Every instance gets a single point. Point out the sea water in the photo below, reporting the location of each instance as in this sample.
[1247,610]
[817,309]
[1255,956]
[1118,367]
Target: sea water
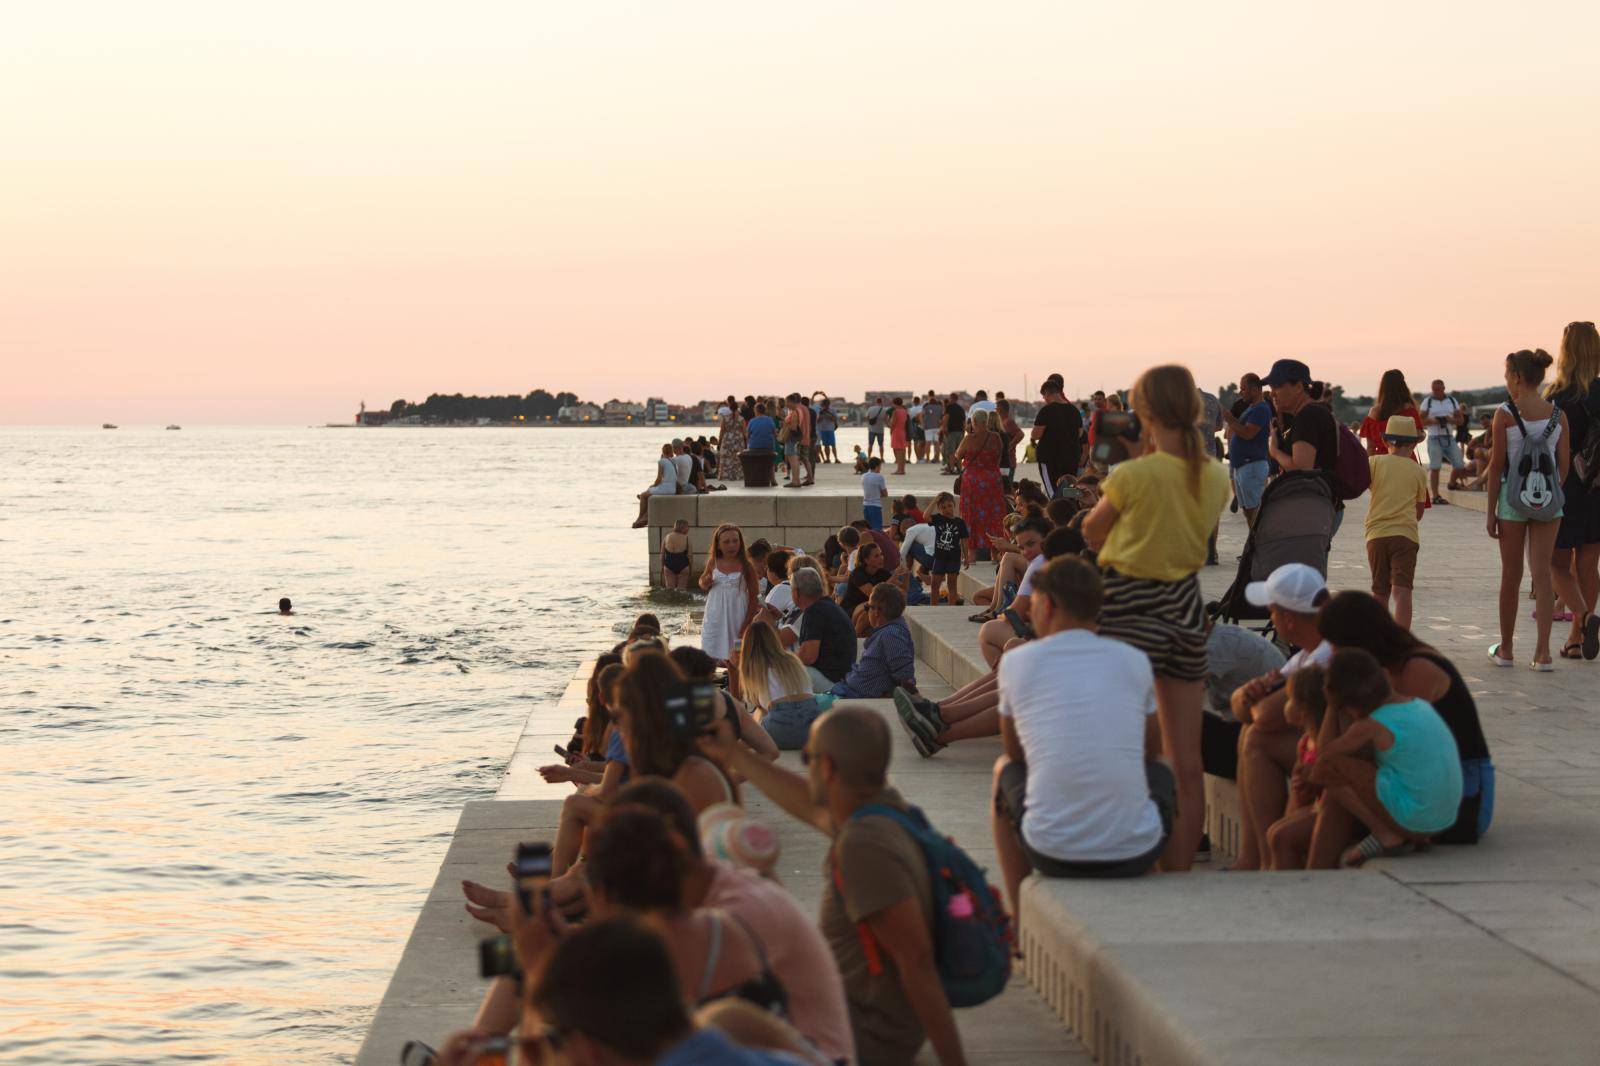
[217,824]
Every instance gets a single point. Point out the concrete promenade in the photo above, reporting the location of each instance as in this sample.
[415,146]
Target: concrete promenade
[1478,954]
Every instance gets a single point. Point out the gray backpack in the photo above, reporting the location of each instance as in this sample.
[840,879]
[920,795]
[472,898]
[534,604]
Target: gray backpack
[1533,478]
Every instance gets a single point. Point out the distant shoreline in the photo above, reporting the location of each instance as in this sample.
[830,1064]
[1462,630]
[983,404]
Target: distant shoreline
[525,425]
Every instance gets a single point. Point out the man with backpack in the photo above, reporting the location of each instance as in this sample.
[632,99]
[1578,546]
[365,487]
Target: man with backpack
[1079,791]
[1305,434]
[1441,414]
[880,914]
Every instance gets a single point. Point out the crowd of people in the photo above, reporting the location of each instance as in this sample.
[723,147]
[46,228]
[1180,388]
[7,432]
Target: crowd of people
[661,933]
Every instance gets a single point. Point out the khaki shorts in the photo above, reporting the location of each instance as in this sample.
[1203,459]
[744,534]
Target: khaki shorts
[1394,564]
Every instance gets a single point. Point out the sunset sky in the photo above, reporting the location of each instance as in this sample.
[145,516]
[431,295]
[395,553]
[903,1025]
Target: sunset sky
[223,212]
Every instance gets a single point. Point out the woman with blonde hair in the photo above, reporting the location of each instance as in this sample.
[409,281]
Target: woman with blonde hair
[776,682]
[1394,398]
[1575,564]
[1151,529]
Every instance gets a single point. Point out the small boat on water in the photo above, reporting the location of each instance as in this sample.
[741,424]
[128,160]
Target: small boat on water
[107,425]
[174,427]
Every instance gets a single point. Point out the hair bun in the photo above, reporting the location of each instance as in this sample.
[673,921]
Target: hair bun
[1542,357]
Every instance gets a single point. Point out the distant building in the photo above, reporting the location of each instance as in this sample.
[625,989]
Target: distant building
[579,413]
[365,417]
[657,410]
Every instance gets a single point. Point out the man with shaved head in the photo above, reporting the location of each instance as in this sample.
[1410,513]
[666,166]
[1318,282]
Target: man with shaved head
[877,914]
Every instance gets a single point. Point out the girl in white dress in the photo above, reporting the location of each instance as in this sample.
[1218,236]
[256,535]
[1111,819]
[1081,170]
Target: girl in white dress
[729,583]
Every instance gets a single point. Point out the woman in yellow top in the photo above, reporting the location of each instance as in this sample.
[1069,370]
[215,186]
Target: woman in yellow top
[1155,515]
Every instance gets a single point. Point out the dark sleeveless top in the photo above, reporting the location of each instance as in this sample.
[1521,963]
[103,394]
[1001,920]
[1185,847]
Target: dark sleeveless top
[1457,708]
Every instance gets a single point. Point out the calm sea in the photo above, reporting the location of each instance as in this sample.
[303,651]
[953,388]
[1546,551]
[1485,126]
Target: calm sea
[216,824]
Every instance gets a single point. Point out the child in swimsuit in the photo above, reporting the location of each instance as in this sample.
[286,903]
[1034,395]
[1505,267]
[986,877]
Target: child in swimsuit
[676,556]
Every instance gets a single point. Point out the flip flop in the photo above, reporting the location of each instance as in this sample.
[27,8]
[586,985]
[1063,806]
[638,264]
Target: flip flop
[1591,636]
[1372,848]
[1574,650]
[1494,657]
[981,616]
[1542,668]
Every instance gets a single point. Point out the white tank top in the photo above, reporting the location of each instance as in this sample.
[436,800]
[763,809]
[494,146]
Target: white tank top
[1535,430]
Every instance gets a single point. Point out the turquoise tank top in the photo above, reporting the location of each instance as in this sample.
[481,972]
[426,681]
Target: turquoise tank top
[1419,778]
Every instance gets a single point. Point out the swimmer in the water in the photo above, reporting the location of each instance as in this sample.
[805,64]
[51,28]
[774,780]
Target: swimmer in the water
[285,607]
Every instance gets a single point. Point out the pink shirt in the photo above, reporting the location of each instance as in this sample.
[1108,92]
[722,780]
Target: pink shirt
[799,956]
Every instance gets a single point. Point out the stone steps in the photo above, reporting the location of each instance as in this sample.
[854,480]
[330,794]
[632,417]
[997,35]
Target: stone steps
[1463,955]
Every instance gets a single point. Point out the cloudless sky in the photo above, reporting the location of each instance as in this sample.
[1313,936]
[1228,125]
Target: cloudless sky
[225,212]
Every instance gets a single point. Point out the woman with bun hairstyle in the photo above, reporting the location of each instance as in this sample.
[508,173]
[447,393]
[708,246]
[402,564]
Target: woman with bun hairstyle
[1519,535]
[1575,388]
[1151,529]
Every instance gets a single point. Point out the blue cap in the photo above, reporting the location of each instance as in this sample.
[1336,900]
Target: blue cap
[1287,370]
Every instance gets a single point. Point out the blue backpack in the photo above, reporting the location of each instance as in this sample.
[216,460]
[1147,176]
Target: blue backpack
[972,935]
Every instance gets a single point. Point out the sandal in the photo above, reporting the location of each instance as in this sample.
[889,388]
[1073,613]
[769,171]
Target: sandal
[1591,636]
[1573,650]
[981,616]
[1372,848]
[1494,657]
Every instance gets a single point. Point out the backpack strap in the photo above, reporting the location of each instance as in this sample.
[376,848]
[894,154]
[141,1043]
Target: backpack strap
[869,941]
[1522,427]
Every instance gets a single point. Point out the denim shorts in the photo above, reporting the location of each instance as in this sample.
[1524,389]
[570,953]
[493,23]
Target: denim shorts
[791,448]
[1249,482]
[874,517]
[829,440]
[788,722]
[874,435]
[1442,449]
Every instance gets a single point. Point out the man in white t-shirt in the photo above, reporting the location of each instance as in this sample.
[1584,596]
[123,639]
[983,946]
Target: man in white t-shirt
[1079,791]
[683,462]
[1294,593]
[1442,413]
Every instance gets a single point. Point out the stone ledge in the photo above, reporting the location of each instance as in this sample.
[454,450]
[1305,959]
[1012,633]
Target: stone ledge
[1340,967]
[1472,501]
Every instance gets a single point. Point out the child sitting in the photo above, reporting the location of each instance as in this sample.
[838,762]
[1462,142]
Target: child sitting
[861,460]
[1410,788]
[1289,838]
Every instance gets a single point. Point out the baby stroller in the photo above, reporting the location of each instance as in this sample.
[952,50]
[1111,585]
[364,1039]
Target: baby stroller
[1294,525]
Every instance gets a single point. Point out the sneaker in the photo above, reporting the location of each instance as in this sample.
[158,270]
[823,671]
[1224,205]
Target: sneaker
[922,728]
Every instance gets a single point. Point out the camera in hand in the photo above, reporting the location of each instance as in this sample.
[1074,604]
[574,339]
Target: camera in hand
[691,708]
[1115,434]
[496,957]
[533,867]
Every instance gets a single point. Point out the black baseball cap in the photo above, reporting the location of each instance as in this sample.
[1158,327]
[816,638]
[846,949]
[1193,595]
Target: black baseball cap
[1287,370]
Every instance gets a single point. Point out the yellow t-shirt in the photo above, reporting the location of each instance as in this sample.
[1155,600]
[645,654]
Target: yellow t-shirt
[1162,528]
[1398,485]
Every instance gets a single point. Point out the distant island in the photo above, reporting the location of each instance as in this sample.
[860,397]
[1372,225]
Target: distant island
[541,407]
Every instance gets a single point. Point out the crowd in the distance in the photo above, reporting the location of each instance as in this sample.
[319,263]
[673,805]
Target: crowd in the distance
[656,931]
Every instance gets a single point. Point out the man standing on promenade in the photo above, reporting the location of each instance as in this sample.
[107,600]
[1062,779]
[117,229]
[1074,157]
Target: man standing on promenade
[955,427]
[1442,413]
[1248,437]
[877,914]
[1057,434]
[875,416]
[932,421]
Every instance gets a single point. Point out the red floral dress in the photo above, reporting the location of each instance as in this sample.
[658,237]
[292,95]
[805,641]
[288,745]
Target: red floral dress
[983,505]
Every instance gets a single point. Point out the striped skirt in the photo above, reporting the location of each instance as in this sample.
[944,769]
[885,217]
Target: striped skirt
[1163,619]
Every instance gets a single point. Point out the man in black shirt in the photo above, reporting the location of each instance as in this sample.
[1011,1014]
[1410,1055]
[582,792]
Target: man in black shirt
[826,642]
[1305,437]
[955,427]
[1057,434]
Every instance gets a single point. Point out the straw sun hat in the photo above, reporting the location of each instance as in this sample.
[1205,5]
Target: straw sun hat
[1401,429]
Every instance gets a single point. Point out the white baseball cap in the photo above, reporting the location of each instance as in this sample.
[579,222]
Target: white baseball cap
[1294,587]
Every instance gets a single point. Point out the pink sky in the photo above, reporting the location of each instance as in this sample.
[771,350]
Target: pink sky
[226,213]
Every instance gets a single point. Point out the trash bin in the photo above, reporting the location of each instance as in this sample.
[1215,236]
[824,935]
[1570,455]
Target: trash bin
[757,465]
